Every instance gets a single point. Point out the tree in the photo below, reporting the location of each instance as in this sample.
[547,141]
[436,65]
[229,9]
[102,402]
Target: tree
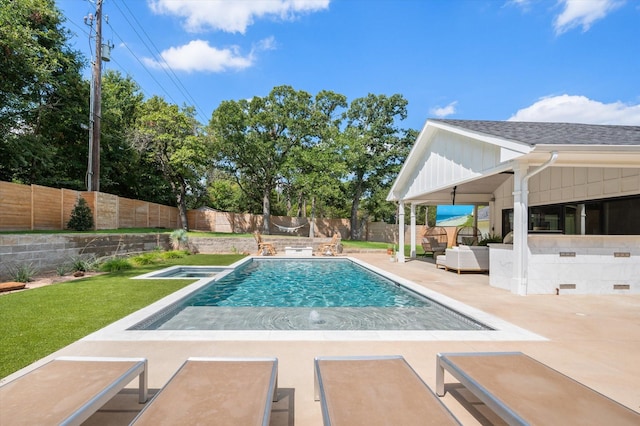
[81,216]
[170,138]
[374,147]
[315,170]
[39,85]
[225,194]
[254,139]
[120,170]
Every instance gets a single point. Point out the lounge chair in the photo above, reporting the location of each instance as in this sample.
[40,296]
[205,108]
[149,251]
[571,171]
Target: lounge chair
[523,391]
[68,390]
[330,248]
[262,246]
[215,391]
[376,390]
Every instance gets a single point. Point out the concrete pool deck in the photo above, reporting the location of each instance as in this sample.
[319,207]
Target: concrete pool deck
[593,339]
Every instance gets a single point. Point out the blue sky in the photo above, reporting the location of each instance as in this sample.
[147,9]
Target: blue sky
[528,60]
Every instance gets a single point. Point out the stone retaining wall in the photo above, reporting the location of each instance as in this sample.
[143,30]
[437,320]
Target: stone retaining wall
[45,252]
[248,244]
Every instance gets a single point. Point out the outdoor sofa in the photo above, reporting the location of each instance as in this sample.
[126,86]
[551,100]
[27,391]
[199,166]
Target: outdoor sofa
[465,258]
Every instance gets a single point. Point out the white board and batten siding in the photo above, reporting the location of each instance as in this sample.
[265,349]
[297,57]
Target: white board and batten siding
[452,158]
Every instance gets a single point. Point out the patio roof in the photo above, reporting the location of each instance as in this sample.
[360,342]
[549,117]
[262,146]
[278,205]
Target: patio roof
[475,157]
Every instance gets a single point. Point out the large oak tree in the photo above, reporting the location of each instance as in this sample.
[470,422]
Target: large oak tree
[255,139]
[374,148]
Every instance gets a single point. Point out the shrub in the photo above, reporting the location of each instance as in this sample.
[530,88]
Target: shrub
[174,254]
[83,264]
[179,239]
[491,238]
[22,273]
[148,258]
[63,269]
[114,265]
[81,216]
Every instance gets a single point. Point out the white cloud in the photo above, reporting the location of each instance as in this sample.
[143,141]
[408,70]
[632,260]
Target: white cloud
[583,13]
[233,15]
[579,109]
[268,43]
[198,55]
[524,4]
[444,111]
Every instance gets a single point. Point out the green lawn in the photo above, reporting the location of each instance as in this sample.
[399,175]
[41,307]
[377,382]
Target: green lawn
[40,321]
[381,246]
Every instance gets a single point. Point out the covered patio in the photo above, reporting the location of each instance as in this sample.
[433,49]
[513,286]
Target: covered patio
[569,193]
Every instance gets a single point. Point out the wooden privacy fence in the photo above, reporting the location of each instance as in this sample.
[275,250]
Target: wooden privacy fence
[211,220]
[35,207]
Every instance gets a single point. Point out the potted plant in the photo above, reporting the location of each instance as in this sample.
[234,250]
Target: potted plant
[488,239]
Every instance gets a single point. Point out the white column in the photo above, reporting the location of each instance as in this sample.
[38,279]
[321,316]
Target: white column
[475,222]
[582,217]
[400,253]
[413,231]
[520,229]
[521,222]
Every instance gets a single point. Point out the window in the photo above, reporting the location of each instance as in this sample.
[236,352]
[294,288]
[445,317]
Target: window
[619,216]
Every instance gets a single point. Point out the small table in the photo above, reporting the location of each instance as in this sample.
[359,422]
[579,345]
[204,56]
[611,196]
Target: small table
[298,251]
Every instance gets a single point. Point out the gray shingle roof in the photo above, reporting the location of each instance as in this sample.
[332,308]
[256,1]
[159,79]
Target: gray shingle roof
[534,133]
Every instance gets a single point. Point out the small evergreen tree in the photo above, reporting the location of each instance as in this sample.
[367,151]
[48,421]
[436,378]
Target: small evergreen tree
[81,216]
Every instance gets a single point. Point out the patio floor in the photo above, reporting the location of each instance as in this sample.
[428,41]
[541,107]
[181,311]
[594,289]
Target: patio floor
[593,339]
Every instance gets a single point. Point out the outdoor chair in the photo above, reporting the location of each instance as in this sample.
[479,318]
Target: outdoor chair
[216,391]
[262,246]
[435,241]
[468,236]
[68,390]
[330,248]
[524,391]
[375,390]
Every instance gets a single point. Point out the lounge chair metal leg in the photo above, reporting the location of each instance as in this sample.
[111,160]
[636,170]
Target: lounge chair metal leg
[316,384]
[142,384]
[439,377]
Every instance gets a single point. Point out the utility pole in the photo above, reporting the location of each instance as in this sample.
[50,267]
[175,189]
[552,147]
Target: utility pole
[95,107]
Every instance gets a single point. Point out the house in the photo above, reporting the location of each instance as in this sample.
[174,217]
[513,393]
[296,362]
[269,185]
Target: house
[569,192]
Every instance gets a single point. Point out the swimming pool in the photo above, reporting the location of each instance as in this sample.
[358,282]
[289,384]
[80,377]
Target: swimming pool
[305,294]
[186,272]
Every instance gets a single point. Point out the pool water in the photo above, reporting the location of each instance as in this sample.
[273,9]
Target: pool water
[304,283]
[190,272]
[306,294]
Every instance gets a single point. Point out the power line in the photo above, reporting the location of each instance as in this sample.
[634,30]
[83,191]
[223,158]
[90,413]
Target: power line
[150,47]
[177,79]
[143,66]
[158,57]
